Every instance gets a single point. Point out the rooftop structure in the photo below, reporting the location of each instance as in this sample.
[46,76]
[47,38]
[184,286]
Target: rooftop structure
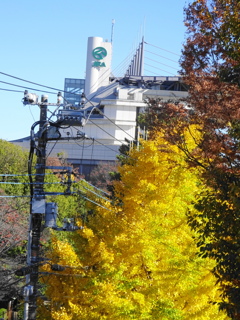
[112,106]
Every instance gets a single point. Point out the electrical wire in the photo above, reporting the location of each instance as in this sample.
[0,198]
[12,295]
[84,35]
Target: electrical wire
[11,90]
[106,132]
[107,146]
[109,120]
[26,175]
[54,145]
[84,146]
[15,196]
[95,187]
[37,84]
[15,85]
[95,203]
[114,123]
[105,199]
[28,183]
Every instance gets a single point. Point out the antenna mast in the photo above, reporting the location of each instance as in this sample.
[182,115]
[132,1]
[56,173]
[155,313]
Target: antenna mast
[113,22]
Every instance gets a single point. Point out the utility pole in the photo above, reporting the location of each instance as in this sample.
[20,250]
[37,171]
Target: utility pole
[40,210]
[37,209]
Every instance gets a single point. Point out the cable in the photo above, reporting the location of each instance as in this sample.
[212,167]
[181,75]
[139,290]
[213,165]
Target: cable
[98,195]
[161,56]
[106,146]
[160,69]
[26,175]
[163,49]
[95,203]
[11,90]
[95,187]
[114,123]
[37,84]
[162,63]
[109,120]
[91,164]
[157,74]
[106,132]
[54,145]
[84,146]
[15,196]
[28,183]
[15,85]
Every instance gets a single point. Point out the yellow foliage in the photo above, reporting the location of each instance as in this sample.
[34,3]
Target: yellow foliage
[138,260]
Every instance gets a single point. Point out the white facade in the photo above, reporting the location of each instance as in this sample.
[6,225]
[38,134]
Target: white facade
[109,132]
[98,65]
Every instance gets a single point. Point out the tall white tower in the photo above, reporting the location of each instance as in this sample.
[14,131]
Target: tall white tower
[98,66]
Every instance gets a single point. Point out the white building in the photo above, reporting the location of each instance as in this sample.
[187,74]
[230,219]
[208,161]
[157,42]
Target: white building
[119,100]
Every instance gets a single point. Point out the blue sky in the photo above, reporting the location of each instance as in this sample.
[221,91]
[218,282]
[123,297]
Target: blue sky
[46,41]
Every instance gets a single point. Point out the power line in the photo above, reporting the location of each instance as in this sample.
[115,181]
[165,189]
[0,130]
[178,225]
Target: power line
[109,120]
[11,90]
[15,196]
[114,123]
[15,85]
[37,84]
[98,195]
[95,203]
[106,146]
[95,187]
[106,131]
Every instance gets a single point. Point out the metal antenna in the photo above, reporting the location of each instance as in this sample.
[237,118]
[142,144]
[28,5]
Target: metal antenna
[113,22]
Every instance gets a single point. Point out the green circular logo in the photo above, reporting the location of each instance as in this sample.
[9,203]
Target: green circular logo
[99,53]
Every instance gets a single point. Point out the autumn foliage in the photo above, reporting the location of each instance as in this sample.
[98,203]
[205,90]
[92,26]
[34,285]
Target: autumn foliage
[136,257]
[210,67]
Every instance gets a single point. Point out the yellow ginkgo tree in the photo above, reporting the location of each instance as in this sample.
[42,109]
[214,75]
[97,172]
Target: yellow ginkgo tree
[136,257]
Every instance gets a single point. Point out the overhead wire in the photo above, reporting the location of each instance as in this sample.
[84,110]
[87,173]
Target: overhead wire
[95,187]
[106,146]
[108,119]
[11,90]
[35,83]
[114,123]
[5,196]
[105,199]
[16,85]
[96,203]
[106,131]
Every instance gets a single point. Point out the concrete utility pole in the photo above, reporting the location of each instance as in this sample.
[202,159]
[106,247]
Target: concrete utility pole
[37,209]
[40,210]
